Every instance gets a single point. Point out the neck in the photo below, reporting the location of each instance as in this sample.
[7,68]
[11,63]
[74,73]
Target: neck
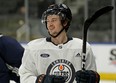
[60,39]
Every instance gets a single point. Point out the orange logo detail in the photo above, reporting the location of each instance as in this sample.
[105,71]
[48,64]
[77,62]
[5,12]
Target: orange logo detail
[61,67]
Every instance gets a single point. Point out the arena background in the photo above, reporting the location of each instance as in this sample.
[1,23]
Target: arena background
[21,19]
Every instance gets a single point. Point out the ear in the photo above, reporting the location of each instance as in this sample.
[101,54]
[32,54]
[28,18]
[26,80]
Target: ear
[65,23]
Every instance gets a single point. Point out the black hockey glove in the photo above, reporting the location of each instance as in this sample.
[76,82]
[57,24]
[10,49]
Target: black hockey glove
[50,79]
[87,76]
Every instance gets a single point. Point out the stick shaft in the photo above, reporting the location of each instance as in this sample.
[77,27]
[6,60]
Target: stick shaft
[87,23]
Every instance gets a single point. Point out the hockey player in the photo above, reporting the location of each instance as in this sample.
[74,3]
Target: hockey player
[11,53]
[56,59]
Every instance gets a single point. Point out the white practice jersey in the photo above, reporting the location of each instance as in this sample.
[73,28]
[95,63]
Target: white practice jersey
[41,56]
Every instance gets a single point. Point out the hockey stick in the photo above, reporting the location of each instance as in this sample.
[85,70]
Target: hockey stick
[87,23]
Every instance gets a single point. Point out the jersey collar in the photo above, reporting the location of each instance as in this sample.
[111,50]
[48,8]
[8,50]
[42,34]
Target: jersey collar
[48,39]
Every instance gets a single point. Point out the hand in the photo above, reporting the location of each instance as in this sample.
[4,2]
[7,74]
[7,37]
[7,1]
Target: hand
[87,76]
[58,79]
[50,79]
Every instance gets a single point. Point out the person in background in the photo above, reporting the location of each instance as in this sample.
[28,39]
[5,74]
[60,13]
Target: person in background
[11,53]
[19,8]
[57,59]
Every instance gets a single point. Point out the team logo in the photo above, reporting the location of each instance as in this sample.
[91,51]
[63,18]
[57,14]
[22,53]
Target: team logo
[78,55]
[45,55]
[62,67]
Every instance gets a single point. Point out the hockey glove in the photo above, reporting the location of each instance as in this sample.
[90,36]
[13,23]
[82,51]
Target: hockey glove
[87,76]
[50,79]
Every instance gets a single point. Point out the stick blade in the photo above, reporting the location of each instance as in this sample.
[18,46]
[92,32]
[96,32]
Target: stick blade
[98,13]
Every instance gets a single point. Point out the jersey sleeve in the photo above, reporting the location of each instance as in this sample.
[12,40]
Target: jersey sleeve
[11,51]
[27,71]
[90,59]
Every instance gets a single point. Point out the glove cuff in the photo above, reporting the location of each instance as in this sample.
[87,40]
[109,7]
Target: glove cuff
[40,78]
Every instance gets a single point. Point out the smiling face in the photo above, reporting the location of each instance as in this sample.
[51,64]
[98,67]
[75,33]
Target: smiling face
[54,24]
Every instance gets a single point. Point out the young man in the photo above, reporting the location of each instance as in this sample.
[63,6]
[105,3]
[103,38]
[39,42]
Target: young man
[57,58]
[11,53]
